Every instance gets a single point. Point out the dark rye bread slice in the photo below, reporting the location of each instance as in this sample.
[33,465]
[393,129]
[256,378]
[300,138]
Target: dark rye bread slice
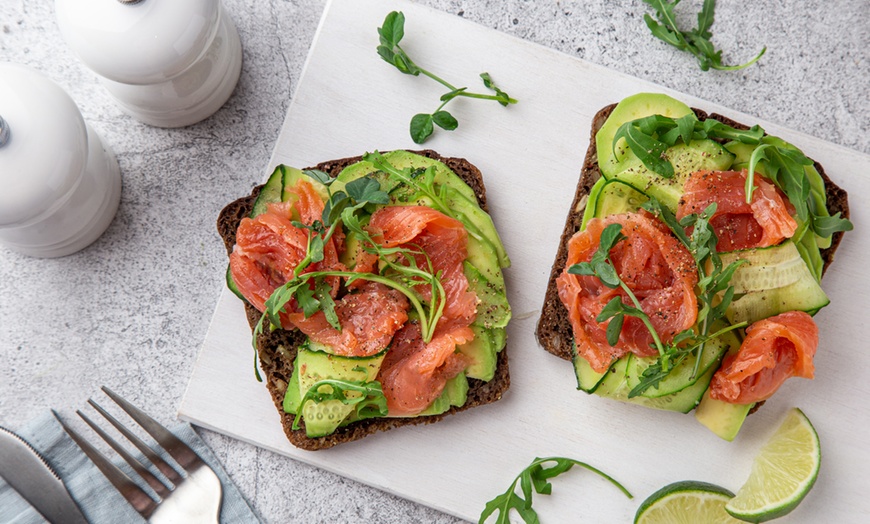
[554,329]
[277,350]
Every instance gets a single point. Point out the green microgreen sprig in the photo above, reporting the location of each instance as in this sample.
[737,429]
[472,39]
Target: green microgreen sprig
[696,41]
[535,478]
[423,124]
[649,137]
[369,402]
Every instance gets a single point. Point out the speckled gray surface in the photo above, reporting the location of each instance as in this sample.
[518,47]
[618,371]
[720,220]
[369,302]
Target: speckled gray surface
[131,310]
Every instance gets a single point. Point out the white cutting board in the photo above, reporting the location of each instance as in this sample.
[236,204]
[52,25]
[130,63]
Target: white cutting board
[348,102]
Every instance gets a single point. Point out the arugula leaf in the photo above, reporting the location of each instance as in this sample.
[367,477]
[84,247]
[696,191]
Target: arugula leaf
[697,41]
[421,126]
[535,478]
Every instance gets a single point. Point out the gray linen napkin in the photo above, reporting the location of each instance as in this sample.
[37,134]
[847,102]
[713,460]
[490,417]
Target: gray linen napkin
[97,498]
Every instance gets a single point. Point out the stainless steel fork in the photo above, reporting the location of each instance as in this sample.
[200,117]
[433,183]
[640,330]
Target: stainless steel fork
[193,496]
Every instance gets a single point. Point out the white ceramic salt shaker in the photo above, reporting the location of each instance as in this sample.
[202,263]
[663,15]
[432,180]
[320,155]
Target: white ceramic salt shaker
[59,182]
[168,63]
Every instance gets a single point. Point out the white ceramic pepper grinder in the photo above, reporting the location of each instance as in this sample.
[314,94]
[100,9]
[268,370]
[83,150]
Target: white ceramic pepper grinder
[168,63]
[59,182]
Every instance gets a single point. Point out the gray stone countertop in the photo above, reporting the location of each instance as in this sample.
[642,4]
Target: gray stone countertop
[131,310]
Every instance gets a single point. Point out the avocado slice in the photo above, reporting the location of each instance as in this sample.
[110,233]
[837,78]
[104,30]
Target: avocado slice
[722,418]
[631,108]
[696,156]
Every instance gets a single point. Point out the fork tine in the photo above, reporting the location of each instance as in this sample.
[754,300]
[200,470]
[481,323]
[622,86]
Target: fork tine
[146,450]
[136,496]
[161,489]
[176,448]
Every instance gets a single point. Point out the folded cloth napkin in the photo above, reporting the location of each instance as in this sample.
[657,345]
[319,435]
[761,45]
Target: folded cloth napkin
[97,498]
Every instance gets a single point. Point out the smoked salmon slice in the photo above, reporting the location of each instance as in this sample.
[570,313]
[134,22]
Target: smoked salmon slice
[658,269]
[444,241]
[414,372]
[269,247]
[775,349]
[369,317]
[766,221]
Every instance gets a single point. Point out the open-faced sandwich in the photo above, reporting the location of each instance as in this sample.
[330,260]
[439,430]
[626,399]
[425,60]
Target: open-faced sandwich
[375,292]
[691,260]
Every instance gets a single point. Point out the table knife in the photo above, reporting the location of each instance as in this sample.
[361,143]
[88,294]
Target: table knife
[23,468]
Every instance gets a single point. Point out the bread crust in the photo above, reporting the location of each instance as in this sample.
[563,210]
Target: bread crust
[277,349]
[554,330]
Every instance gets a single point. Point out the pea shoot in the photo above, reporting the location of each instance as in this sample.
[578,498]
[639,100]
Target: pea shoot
[423,124]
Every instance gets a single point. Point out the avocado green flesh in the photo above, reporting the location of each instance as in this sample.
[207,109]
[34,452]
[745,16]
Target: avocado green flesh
[455,394]
[686,159]
[610,197]
[481,353]
[722,418]
[631,108]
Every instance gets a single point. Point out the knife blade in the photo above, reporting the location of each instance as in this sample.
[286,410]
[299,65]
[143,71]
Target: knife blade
[25,469]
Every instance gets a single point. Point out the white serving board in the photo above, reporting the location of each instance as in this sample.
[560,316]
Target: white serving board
[348,102]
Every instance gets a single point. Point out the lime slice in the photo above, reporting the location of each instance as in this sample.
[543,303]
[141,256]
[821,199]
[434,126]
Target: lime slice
[686,502]
[783,472]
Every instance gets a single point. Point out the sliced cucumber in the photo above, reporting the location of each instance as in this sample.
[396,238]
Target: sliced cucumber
[766,268]
[311,367]
[803,295]
[772,281]
[681,377]
[587,378]
[615,386]
[686,159]
[271,191]
[231,284]
[631,108]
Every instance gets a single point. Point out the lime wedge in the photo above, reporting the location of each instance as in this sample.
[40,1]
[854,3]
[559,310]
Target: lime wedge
[783,472]
[686,502]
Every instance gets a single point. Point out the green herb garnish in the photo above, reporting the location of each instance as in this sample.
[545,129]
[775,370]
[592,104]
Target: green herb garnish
[697,41]
[423,124]
[649,137]
[535,479]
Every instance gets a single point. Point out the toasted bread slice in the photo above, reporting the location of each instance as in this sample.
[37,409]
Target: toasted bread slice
[277,349]
[554,329]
